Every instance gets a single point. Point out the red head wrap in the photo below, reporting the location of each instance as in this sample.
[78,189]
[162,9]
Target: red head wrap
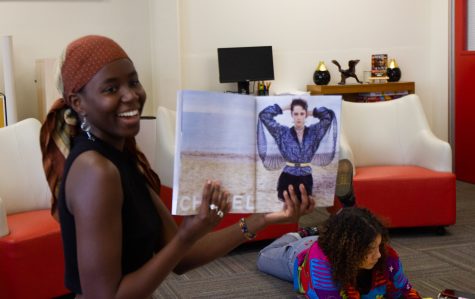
[84,57]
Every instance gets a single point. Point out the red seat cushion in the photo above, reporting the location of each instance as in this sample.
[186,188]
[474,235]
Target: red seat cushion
[407,196]
[31,257]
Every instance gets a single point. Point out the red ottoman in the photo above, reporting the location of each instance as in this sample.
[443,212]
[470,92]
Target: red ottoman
[407,196]
[31,257]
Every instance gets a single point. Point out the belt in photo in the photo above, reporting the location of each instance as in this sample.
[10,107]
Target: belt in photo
[297,164]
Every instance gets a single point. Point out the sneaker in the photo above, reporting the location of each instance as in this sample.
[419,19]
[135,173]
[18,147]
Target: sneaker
[296,235]
[344,183]
[308,231]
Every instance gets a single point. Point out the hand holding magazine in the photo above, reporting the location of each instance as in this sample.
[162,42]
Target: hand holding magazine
[257,146]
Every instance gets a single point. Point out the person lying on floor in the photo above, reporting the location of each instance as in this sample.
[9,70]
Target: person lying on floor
[349,258]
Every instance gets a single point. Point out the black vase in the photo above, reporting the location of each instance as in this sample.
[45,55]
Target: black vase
[321,77]
[394,74]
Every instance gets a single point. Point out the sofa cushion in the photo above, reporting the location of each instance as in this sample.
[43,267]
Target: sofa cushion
[31,257]
[23,184]
[399,194]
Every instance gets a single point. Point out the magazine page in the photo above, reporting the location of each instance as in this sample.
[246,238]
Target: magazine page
[215,140]
[296,146]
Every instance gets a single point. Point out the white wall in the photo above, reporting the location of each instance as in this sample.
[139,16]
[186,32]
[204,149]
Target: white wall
[306,31]
[166,49]
[42,29]
[173,42]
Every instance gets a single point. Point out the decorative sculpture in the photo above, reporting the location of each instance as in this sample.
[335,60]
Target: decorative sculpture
[350,72]
[321,76]
[393,71]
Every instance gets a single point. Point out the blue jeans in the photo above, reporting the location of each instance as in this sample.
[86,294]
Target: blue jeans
[277,259]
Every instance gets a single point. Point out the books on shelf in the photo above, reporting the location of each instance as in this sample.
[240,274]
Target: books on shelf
[379,64]
[371,97]
[247,142]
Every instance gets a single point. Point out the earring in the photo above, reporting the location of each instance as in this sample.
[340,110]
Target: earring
[86,127]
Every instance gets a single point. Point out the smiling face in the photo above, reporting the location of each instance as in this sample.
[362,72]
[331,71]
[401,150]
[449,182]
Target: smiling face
[373,254]
[112,102]
[299,114]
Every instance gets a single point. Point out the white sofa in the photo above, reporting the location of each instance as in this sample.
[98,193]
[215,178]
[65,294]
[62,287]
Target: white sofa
[23,185]
[31,252]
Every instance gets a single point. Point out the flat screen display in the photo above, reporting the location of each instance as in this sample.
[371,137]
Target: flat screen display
[245,64]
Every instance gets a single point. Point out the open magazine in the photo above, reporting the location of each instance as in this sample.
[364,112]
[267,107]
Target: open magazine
[254,146]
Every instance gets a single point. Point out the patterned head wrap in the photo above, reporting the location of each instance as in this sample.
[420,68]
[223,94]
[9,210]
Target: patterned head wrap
[81,60]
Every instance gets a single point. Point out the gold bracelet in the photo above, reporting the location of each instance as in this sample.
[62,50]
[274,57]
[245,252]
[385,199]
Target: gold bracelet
[243,225]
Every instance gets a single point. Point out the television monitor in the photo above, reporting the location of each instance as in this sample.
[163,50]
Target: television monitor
[245,64]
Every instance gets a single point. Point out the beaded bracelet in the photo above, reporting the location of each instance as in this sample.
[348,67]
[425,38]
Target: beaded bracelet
[243,225]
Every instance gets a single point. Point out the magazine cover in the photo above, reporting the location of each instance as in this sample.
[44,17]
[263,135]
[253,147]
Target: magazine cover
[379,64]
[254,146]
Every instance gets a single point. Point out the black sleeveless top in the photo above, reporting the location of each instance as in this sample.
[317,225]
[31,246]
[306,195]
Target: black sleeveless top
[141,224]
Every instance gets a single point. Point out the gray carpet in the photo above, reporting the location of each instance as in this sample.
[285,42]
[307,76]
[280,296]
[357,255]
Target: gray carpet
[432,262]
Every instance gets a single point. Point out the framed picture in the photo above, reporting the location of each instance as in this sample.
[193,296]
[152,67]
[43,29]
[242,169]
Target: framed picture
[379,64]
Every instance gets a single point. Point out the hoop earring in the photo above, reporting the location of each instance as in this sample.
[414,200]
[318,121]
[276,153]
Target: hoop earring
[86,127]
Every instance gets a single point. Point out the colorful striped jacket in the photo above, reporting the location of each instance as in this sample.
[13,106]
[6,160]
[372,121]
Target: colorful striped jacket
[313,277]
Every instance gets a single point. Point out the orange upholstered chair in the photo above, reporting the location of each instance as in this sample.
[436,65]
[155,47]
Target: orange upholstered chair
[403,172]
[31,254]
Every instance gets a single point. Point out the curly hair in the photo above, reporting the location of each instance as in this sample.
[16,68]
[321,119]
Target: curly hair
[345,238]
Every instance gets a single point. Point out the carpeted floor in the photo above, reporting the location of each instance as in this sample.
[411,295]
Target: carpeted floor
[432,262]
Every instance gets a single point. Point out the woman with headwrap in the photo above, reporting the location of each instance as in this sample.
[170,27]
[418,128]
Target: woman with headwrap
[119,239]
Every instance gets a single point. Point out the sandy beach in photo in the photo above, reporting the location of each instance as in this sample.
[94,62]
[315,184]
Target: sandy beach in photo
[236,172]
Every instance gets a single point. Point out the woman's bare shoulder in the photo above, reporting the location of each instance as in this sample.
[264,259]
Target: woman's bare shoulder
[94,164]
[93,180]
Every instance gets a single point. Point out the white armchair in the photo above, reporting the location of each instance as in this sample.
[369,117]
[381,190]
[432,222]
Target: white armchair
[392,133]
[23,185]
[403,172]
[165,153]
[31,253]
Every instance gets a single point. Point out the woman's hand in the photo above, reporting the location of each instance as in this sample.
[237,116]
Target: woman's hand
[293,207]
[214,205]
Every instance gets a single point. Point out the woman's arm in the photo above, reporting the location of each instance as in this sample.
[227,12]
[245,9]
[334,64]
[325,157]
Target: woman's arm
[267,115]
[323,114]
[169,227]
[219,243]
[95,199]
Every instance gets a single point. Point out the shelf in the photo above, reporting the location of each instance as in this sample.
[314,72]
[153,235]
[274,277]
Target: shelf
[362,88]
